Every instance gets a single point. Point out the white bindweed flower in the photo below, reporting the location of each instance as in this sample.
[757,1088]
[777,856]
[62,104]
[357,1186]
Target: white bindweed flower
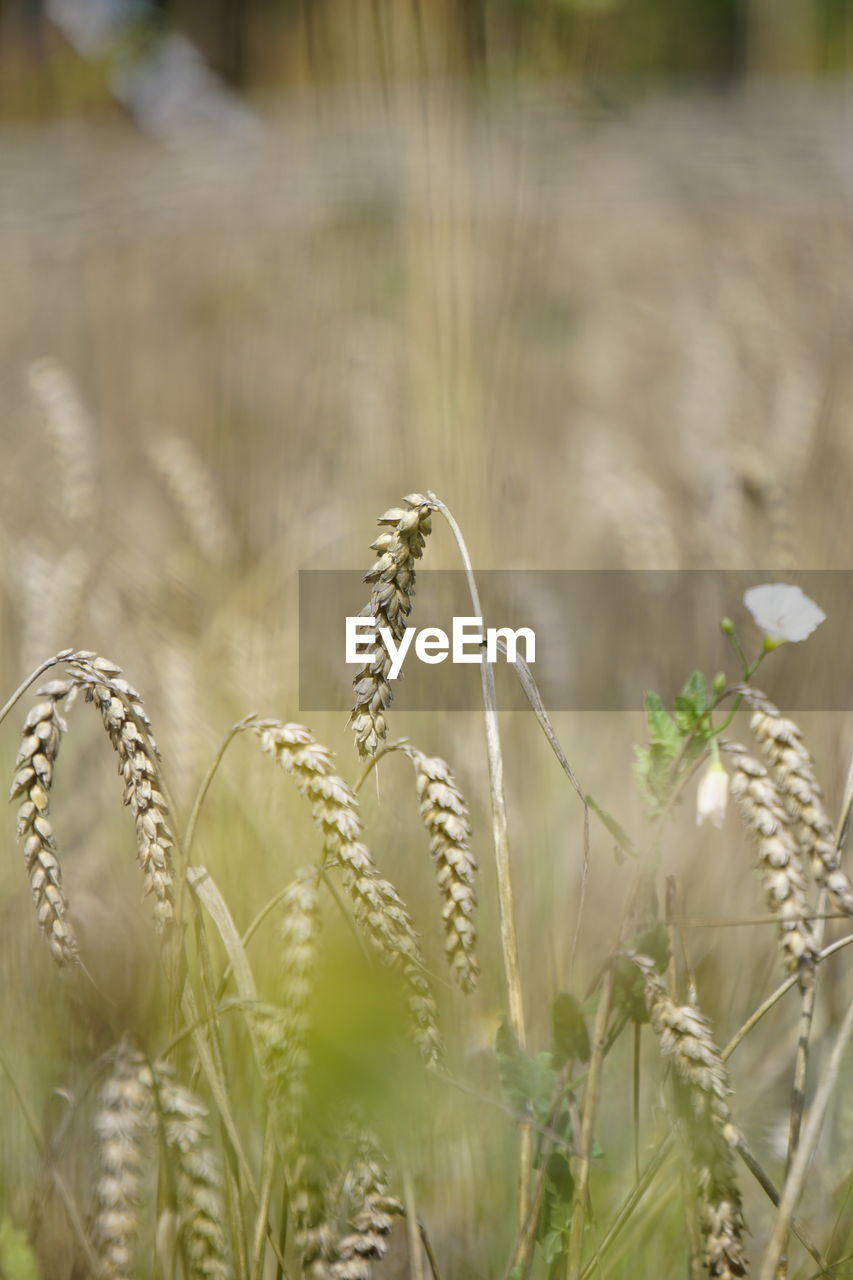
[783,612]
[713,795]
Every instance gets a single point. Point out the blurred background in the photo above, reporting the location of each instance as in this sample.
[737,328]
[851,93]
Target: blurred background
[583,268]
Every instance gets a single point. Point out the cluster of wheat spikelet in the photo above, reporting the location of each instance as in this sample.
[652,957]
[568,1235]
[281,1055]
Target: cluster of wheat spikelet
[393,580]
[137,1103]
[710,1133]
[445,816]
[377,905]
[371,1222]
[779,856]
[792,768]
[130,733]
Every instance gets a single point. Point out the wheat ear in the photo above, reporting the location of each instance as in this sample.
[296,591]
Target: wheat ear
[284,1036]
[779,857]
[43,729]
[373,1216]
[198,1181]
[703,1089]
[393,580]
[378,907]
[445,816]
[130,733]
[792,767]
[122,1128]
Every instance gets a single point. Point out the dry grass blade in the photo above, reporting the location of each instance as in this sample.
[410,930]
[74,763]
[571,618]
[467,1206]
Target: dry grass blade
[393,581]
[43,729]
[779,857]
[445,816]
[702,1091]
[379,909]
[373,1216]
[122,1128]
[198,1180]
[792,767]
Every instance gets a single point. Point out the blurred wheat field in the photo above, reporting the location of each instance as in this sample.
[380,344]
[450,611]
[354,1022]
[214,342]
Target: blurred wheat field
[608,335]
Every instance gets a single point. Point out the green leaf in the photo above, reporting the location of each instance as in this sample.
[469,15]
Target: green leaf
[552,1231]
[527,1082]
[569,1036]
[663,731]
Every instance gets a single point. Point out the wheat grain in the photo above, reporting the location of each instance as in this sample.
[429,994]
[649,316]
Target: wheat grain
[702,1092]
[379,908]
[373,1216]
[130,733]
[393,581]
[445,816]
[792,767]
[779,858]
[197,1177]
[43,729]
[122,1128]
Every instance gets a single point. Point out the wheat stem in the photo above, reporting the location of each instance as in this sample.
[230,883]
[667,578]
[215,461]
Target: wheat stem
[500,837]
[797,1174]
[590,1108]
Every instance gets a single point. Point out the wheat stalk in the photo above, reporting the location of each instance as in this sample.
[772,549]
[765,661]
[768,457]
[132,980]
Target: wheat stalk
[780,859]
[702,1091]
[378,907]
[34,765]
[445,816]
[122,1128]
[792,767]
[393,581]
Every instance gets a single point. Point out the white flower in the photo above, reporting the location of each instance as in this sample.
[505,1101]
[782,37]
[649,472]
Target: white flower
[783,612]
[713,795]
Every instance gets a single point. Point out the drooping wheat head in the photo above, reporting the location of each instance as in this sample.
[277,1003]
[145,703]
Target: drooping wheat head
[371,1217]
[780,859]
[792,768]
[378,907]
[43,729]
[702,1091]
[123,1132]
[130,733]
[393,581]
[445,816]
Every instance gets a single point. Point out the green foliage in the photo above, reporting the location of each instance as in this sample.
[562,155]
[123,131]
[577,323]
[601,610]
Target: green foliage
[671,739]
[17,1260]
[569,1036]
[528,1081]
